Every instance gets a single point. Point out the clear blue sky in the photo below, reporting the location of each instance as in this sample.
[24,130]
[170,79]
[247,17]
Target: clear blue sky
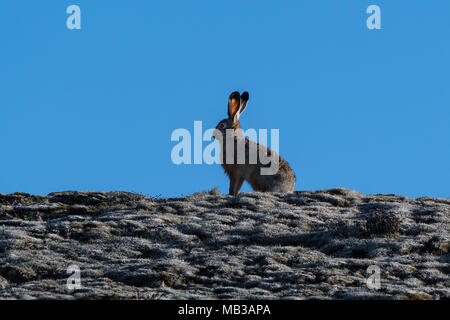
[94,109]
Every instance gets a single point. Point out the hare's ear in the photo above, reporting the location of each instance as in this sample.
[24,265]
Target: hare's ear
[243,103]
[233,104]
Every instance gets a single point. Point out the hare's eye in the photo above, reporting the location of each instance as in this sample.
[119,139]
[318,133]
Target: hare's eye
[222,125]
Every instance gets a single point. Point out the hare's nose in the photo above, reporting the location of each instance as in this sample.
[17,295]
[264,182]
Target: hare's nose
[215,133]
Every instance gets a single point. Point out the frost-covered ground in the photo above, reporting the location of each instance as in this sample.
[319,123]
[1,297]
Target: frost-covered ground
[203,246]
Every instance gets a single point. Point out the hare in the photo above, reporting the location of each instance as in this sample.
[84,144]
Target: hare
[242,159]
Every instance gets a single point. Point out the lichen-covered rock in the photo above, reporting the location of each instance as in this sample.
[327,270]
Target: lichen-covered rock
[304,245]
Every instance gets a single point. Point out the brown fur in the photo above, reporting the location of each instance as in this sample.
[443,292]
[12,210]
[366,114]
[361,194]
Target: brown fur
[233,103]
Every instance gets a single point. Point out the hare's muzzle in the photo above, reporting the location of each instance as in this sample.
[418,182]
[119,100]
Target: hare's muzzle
[216,134]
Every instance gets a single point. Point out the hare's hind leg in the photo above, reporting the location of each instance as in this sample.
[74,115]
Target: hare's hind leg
[235,185]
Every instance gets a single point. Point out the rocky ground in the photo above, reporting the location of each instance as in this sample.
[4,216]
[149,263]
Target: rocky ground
[315,245]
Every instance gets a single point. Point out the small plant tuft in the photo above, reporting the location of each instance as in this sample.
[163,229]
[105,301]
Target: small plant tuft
[214,191]
[382,223]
